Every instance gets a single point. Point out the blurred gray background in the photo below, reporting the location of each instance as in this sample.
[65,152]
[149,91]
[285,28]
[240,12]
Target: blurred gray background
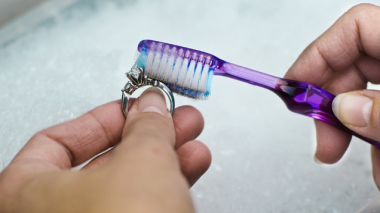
[62,58]
[11,9]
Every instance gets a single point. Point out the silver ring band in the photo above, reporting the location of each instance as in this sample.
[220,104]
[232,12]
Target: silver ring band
[138,79]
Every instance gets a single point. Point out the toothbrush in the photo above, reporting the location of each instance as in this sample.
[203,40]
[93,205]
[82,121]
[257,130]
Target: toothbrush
[189,72]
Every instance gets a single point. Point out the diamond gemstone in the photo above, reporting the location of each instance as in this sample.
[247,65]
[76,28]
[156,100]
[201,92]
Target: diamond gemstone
[135,73]
[129,88]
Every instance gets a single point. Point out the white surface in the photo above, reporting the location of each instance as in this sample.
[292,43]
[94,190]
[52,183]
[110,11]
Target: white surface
[262,153]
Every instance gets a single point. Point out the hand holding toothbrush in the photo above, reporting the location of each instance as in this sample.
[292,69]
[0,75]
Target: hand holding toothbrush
[342,61]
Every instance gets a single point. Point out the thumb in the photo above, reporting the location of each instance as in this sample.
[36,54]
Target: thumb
[146,170]
[359,111]
[148,132]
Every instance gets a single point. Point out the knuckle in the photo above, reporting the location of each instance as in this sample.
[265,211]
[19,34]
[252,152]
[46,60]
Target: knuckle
[361,9]
[362,6]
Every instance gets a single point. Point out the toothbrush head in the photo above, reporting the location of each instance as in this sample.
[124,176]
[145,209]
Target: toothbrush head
[185,71]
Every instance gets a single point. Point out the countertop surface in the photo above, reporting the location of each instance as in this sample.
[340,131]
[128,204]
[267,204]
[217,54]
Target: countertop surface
[62,60]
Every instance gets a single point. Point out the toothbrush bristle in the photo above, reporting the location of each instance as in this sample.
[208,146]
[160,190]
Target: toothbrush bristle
[185,71]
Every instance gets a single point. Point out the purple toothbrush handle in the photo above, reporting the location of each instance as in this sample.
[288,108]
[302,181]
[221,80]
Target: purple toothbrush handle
[310,100]
[300,97]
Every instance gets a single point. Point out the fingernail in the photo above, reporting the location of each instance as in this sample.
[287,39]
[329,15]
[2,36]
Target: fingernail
[152,100]
[317,160]
[353,109]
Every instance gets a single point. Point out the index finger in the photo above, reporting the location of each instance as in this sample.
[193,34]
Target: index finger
[351,36]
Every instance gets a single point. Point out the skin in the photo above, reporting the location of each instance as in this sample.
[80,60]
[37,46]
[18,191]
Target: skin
[154,161]
[155,158]
[344,58]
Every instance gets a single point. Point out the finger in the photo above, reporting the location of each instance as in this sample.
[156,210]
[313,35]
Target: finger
[188,123]
[98,160]
[195,159]
[338,62]
[369,67]
[353,35]
[360,112]
[148,132]
[146,158]
[332,143]
[74,142]
[375,155]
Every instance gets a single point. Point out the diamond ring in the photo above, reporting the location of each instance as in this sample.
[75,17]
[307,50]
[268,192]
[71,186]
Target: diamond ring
[138,79]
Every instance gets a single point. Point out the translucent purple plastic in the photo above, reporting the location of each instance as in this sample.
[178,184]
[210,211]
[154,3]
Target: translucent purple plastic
[300,97]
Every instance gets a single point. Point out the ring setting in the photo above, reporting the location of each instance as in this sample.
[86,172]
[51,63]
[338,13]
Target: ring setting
[137,79]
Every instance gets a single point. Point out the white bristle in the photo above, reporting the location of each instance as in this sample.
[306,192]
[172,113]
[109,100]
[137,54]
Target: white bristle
[197,74]
[176,69]
[183,71]
[163,63]
[202,86]
[169,66]
[156,61]
[190,72]
[179,67]
[149,60]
